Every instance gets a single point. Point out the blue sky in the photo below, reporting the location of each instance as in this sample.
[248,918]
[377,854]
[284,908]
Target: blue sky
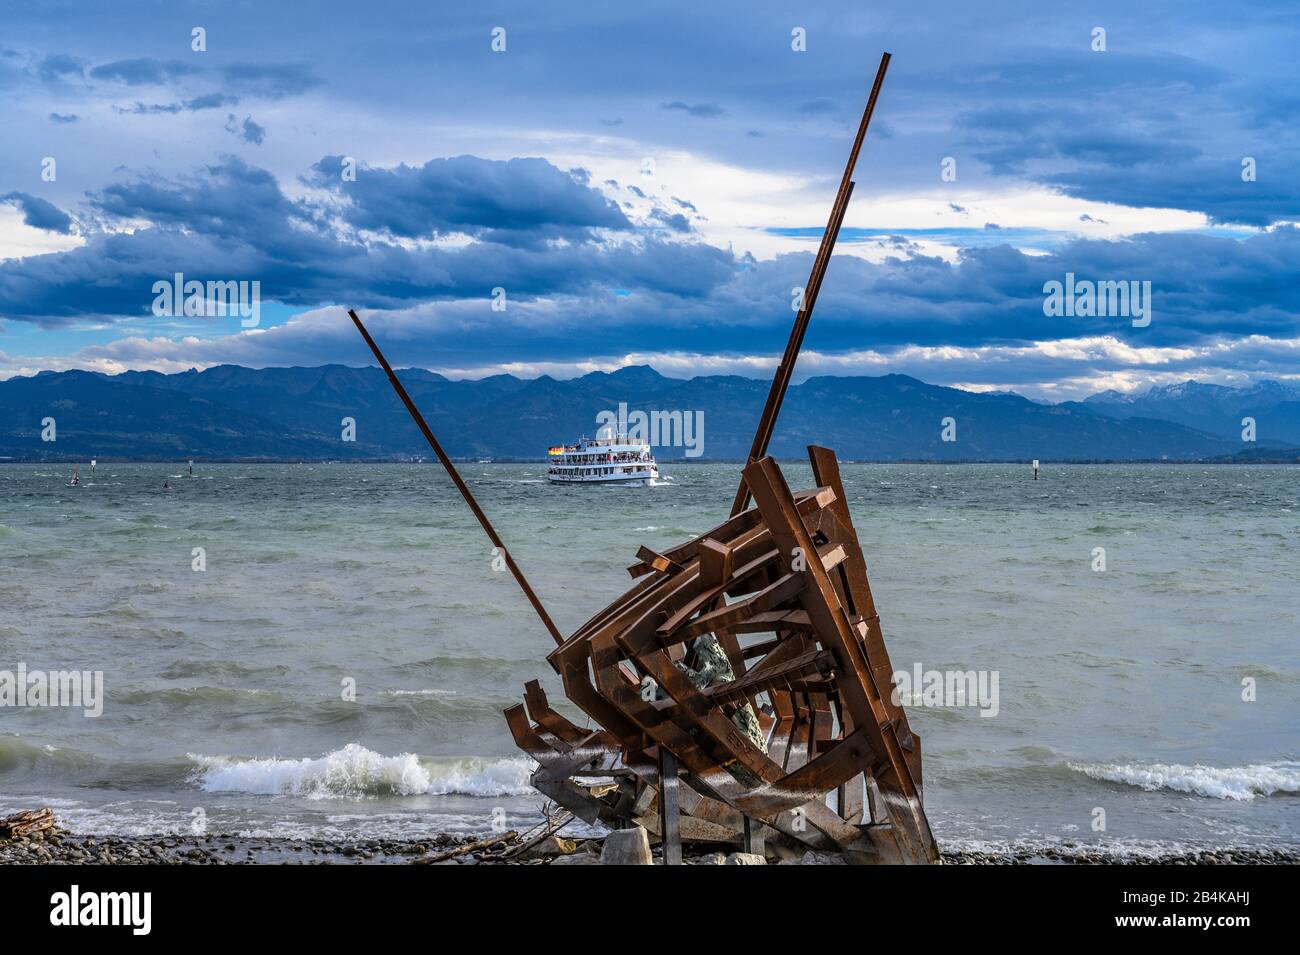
[648,182]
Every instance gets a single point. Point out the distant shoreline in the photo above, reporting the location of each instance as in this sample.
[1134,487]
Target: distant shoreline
[311,414]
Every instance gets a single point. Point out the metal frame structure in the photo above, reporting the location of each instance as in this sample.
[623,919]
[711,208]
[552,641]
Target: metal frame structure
[782,588]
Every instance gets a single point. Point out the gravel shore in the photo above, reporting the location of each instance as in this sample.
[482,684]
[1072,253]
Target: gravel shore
[67,849]
[1090,855]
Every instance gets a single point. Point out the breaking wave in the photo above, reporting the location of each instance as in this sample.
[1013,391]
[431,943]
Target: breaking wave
[1236,782]
[355,772]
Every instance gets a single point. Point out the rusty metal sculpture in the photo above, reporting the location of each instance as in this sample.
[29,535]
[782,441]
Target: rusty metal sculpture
[752,748]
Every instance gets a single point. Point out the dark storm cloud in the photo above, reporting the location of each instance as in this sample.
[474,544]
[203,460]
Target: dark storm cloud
[270,81]
[673,220]
[142,71]
[237,80]
[1212,186]
[817,107]
[516,201]
[206,101]
[227,199]
[248,130]
[1162,119]
[698,110]
[1008,138]
[232,221]
[39,213]
[58,65]
[267,81]
[1160,131]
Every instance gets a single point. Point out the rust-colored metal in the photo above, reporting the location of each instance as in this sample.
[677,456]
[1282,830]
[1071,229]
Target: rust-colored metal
[456,479]
[752,759]
[781,380]
[799,600]
[782,587]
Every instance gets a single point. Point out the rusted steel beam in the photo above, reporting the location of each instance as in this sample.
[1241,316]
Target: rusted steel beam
[849,798]
[762,746]
[826,469]
[773,620]
[806,664]
[865,701]
[823,729]
[811,718]
[460,484]
[753,841]
[809,502]
[724,617]
[781,380]
[670,814]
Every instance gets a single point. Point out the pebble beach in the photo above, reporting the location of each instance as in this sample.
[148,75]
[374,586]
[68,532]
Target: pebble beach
[67,849]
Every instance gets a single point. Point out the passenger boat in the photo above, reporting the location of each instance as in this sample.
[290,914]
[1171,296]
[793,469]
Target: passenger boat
[608,458]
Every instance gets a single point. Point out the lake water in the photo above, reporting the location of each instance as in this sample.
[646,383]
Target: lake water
[1119,690]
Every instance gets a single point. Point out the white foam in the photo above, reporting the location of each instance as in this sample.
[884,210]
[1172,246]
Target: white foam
[1235,782]
[482,777]
[355,772]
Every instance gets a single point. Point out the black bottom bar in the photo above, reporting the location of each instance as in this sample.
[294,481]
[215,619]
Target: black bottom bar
[337,904]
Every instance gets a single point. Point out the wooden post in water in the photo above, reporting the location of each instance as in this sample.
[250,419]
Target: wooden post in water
[1035,469]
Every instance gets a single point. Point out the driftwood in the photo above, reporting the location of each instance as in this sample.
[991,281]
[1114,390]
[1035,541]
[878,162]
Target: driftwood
[28,824]
[550,828]
[468,847]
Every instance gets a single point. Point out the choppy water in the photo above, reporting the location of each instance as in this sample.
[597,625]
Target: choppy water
[1119,689]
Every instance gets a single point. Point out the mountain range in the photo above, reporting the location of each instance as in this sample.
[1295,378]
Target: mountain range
[1214,409]
[231,412]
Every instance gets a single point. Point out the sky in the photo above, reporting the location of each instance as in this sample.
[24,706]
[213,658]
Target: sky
[564,187]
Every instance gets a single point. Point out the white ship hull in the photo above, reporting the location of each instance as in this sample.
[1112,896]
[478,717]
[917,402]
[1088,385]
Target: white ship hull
[646,477]
[605,459]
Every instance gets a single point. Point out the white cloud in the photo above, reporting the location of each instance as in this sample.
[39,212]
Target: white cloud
[19,240]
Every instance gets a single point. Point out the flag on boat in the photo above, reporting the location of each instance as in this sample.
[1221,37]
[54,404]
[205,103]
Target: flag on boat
[555,450]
